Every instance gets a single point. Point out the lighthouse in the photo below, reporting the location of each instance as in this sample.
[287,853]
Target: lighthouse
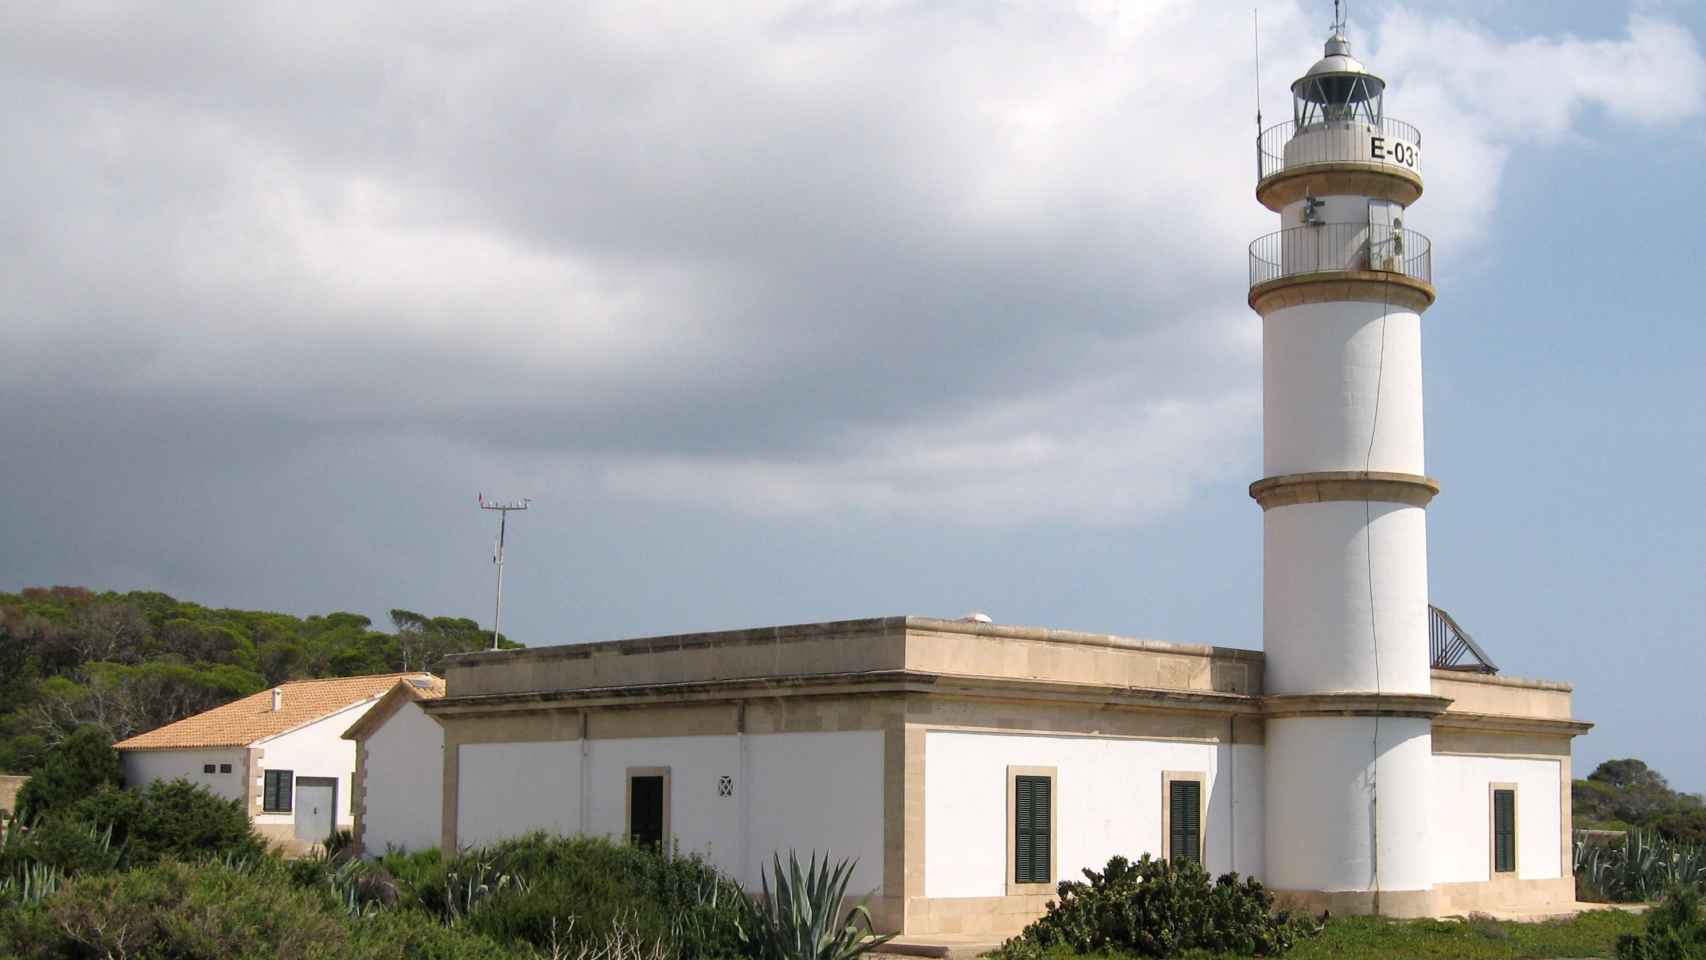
[1341,288]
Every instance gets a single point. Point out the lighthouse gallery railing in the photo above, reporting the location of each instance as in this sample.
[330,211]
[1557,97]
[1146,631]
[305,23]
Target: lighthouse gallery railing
[1341,247]
[1283,147]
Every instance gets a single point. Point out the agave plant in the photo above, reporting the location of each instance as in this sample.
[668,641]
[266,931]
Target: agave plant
[31,884]
[1642,867]
[805,917]
[473,881]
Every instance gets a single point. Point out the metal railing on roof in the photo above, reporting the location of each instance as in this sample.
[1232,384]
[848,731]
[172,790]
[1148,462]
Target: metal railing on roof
[1284,147]
[1452,648]
[1340,247]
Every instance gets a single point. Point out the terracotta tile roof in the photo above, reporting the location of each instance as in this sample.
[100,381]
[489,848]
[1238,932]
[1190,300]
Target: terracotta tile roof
[403,691]
[242,722]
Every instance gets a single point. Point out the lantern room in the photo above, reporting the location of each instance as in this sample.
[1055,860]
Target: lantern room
[1338,88]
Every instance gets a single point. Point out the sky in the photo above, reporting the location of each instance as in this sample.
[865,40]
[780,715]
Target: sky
[787,311]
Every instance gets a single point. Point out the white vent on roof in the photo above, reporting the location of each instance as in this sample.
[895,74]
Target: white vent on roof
[277,699]
[976,617]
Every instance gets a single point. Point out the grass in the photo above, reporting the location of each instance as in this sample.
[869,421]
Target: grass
[1592,934]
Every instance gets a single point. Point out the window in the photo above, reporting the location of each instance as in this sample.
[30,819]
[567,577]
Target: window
[275,797]
[225,768]
[1184,821]
[648,807]
[1504,828]
[207,768]
[1183,794]
[1031,837]
[1031,797]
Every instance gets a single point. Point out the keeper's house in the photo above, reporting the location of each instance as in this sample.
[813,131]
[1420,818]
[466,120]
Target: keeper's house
[279,751]
[970,766]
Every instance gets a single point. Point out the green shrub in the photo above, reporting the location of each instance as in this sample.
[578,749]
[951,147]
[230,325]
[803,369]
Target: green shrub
[172,820]
[1154,908]
[571,891]
[76,768]
[409,935]
[1676,930]
[803,915]
[210,910]
[202,912]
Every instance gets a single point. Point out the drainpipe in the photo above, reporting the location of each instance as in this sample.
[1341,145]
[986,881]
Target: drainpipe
[743,793]
[585,775]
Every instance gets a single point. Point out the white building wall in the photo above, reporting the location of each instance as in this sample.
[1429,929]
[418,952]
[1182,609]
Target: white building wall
[1318,628]
[142,767]
[1462,817]
[1108,801]
[405,782]
[508,789]
[815,792]
[1320,812]
[315,750]
[1328,369]
[802,791]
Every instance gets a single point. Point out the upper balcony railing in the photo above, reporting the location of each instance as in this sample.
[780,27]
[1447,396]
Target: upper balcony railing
[1284,147]
[1338,248]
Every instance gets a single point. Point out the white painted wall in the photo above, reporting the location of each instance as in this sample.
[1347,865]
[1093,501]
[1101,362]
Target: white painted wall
[815,792]
[1319,824]
[142,767]
[508,789]
[1462,817]
[805,791]
[1108,801]
[405,782]
[315,750]
[1323,381]
[1351,141]
[1318,629]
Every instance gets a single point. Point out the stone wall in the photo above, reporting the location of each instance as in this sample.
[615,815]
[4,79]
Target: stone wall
[9,787]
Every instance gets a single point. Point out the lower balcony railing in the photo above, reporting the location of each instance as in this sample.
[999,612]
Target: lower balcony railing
[1341,247]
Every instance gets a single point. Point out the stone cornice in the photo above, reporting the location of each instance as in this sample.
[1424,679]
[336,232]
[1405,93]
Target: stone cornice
[852,684]
[1354,703]
[1326,486]
[1340,286]
[1344,179]
[1501,723]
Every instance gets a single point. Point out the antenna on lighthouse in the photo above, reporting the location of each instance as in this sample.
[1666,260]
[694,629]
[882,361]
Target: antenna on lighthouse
[503,507]
[1256,27]
[1339,7]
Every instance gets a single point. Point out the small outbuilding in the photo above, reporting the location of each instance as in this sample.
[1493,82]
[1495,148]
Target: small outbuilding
[281,752]
[399,763]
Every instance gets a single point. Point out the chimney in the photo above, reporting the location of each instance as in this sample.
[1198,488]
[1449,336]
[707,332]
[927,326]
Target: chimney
[277,699]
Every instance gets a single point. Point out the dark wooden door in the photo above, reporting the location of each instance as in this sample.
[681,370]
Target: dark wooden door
[645,811]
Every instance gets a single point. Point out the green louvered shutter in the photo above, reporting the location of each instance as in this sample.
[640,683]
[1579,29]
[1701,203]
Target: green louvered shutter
[1185,818]
[1504,831]
[1031,839]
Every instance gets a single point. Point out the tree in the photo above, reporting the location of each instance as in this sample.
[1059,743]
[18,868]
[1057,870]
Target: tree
[78,767]
[109,631]
[1639,792]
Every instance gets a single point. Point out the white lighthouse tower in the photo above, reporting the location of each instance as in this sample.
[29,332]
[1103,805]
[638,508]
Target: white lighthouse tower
[1341,289]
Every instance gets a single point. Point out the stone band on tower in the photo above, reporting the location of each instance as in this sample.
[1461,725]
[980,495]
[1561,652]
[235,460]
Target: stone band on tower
[1341,289]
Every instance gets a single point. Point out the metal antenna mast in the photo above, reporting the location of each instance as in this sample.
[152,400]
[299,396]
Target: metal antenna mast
[1256,27]
[1339,17]
[503,507]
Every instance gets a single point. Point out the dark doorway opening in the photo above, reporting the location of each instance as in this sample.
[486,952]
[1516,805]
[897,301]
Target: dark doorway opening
[645,811]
